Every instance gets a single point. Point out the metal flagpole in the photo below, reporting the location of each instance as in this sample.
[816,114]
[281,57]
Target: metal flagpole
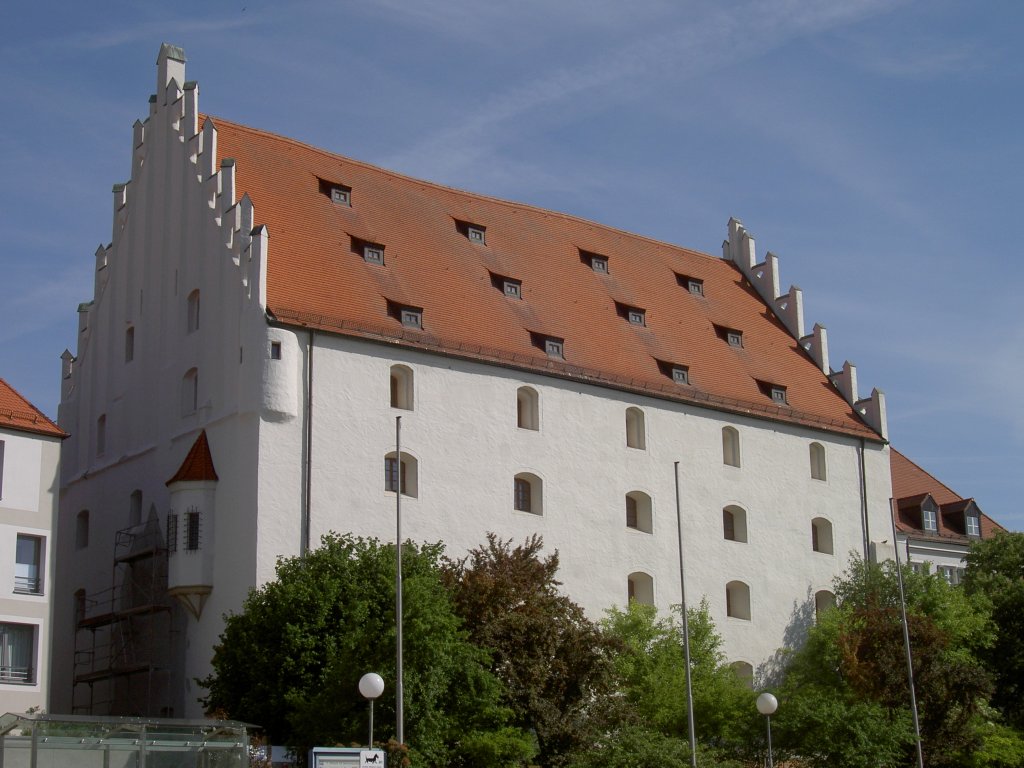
[399,678]
[906,635]
[686,630]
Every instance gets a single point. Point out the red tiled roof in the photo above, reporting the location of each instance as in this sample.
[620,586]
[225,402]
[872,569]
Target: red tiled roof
[18,413]
[315,278]
[198,465]
[911,485]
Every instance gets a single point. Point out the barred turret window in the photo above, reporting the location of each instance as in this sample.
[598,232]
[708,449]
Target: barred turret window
[192,529]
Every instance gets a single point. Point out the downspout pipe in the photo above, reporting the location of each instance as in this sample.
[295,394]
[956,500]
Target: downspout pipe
[307,470]
[865,524]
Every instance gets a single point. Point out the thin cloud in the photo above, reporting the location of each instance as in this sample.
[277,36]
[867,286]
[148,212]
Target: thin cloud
[702,44]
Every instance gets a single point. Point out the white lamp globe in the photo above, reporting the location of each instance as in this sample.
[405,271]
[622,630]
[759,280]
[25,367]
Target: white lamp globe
[766,703]
[371,685]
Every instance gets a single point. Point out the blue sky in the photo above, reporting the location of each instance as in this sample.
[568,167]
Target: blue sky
[874,146]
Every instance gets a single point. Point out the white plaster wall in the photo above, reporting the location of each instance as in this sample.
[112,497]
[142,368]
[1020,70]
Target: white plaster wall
[176,228]
[463,434]
[28,506]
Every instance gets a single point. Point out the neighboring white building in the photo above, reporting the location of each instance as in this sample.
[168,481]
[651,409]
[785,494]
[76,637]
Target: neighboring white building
[266,310]
[29,460]
[935,526]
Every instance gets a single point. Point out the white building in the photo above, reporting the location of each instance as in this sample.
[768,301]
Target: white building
[29,459]
[935,526]
[264,312]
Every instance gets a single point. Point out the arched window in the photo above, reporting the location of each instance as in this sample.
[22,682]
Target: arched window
[635,429]
[823,600]
[638,511]
[406,473]
[401,387]
[135,508]
[193,311]
[82,529]
[821,535]
[528,494]
[190,391]
[745,672]
[737,600]
[527,408]
[101,434]
[818,470]
[640,587]
[730,446]
[734,523]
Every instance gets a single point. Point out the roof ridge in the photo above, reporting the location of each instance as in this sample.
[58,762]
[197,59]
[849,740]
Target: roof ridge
[459,191]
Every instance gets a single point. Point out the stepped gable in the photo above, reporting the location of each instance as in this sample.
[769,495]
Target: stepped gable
[317,277]
[198,465]
[19,414]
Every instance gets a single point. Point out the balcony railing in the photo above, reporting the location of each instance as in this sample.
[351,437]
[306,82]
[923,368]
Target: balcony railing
[17,675]
[29,585]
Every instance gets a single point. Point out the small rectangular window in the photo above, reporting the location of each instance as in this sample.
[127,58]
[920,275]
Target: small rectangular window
[928,521]
[779,395]
[28,569]
[636,317]
[412,318]
[341,195]
[595,261]
[513,288]
[680,375]
[275,350]
[17,654]
[972,525]
[735,338]
[475,234]
[172,532]
[129,344]
[554,348]
[192,530]
[696,287]
[373,254]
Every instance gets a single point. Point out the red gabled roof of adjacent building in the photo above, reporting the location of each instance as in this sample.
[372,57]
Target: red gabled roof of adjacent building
[198,465]
[18,413]
[911,485]
[316,277]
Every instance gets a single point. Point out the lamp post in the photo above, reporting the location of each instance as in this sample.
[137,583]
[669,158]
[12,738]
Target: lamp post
[766,705]
[371,685]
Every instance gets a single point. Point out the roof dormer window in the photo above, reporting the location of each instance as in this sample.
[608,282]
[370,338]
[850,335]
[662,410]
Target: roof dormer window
[408,316]
[552,345]
[412,318]
[633,315]
[929,517]
[732,336]
[475,233]
[373,254]
[679,373]
[693,284]
[972,525]
[595,261]
[339,194]
[778,395]
[512,288]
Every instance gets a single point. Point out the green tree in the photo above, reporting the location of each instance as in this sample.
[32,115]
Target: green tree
[291,660]
[846,696]
[995,573]
[555,663]
[652,674]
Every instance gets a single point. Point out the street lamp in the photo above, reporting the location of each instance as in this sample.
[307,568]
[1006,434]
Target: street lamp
[371,685]
[766,705]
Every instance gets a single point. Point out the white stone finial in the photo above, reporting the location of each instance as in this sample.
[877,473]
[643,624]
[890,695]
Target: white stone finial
[170,65]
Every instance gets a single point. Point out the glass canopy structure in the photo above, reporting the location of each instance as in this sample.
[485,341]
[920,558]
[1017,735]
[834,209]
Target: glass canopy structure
[72,741]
